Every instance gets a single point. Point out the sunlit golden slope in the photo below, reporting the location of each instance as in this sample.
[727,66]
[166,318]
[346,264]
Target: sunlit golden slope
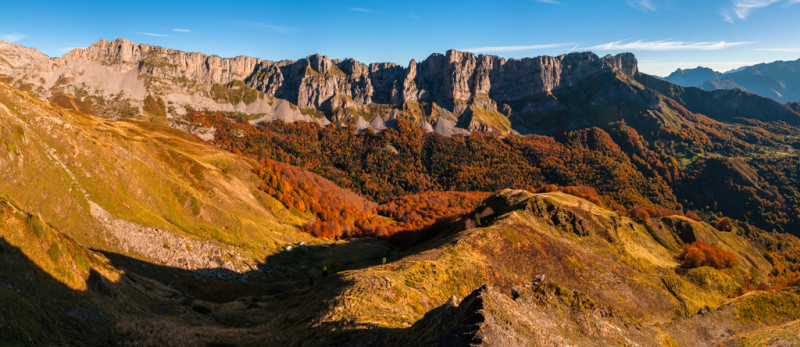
[51,250]
[583,275]
[136,188]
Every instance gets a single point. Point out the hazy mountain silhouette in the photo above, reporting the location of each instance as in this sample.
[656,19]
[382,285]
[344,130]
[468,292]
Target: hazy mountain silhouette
[779,80]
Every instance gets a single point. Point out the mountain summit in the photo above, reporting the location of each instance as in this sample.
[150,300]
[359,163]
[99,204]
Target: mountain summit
[778,80]
[693,77]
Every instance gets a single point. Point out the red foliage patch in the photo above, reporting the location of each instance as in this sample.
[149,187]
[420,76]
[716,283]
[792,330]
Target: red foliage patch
[724,224]
[699,253]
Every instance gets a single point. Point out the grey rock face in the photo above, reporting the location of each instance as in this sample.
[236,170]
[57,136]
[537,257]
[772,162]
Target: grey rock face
[427,127]
[454,81]
[361,124]
[377,124]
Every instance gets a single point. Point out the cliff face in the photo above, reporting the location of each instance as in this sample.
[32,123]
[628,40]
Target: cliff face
[453,93]
[162,62]
[449,80]
[121,74]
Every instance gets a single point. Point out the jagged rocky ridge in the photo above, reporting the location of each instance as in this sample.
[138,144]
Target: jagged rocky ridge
[473,92]
[451,93]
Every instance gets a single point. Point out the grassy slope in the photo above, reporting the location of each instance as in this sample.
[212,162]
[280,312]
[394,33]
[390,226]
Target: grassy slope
[54,162]
[612,261]
[42,275]
[52,251]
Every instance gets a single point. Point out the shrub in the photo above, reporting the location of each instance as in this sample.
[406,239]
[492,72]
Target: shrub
[639,213]
[154,106]
[692,215]
[724,224]
[699,253]
[54,252]
[38,226]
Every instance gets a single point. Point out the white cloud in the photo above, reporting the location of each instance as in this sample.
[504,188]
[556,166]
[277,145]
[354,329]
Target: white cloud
[151,34]
[362,10]
[788,50]
[181,30]
[667,67]
[554,2]
[514,48]
[13,37]
[741,9]
[644,5]
[666,45]
[271,27]
[415,16]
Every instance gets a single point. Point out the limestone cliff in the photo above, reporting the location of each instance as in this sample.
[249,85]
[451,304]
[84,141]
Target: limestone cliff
[113,79]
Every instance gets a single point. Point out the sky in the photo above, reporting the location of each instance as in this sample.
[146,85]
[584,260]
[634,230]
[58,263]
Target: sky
[664,34]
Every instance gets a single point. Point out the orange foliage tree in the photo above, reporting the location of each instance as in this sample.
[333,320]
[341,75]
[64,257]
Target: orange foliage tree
[699,253]
[724,224]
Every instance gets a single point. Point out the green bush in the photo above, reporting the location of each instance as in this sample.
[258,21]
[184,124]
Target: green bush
[38,226]
[54,252]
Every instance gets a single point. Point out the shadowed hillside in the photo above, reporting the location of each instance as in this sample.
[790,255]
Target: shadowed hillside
[542,268]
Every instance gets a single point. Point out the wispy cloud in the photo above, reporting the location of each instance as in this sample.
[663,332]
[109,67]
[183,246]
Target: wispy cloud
[361,9]
[514,48]
[741,9]
[151,34]
[667,45]
[67,49]
[413,15]
[644,5]
[553,2]
[693,64]
[788,50]
[666,67]
[270,27]
[13,37]
[181,30]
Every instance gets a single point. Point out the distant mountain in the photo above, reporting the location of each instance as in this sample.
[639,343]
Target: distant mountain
[693,77]
[778,80]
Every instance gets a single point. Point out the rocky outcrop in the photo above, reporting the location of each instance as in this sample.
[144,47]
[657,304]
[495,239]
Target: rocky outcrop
[451,80]
[164,63]
[377,124]
[16,59]
[361,124]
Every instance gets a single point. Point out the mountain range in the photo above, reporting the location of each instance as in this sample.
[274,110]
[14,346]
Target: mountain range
[778,80]
[150,196]
[456,91]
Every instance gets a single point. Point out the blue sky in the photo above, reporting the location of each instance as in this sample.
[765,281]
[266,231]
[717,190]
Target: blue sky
[664,34]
